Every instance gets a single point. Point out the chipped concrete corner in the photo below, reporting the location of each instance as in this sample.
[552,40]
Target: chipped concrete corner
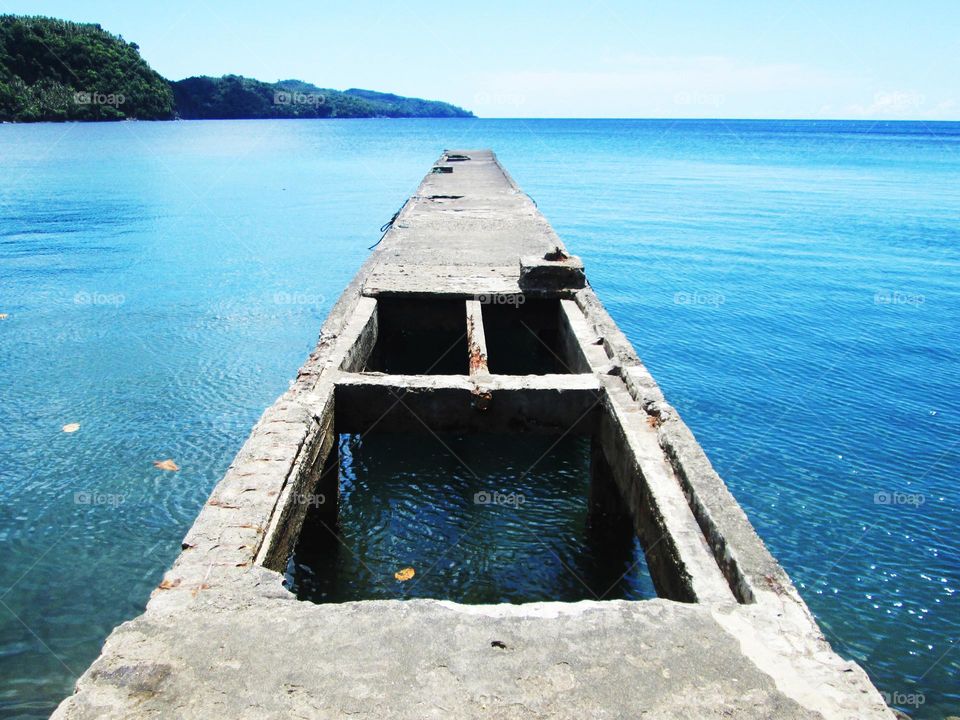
[729,635]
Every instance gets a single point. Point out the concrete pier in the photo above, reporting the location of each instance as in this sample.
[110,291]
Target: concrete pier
[472,316]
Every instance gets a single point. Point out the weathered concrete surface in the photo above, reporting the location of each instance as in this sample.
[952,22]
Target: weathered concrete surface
[221,637]
[662,516]
[548,404]
[476,339]
[235,657]
[463,232]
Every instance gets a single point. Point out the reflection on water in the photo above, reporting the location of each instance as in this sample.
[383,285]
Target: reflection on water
[480,519]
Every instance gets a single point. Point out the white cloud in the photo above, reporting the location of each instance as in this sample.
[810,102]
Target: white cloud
[903,105]
[664,86]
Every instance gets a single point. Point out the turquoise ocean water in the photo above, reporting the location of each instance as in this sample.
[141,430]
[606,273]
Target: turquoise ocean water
[793,286]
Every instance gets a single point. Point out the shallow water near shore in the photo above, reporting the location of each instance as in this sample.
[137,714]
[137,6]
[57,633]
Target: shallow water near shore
[793,287]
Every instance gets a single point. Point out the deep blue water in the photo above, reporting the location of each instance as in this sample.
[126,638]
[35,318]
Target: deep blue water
[482,519]
[793,286]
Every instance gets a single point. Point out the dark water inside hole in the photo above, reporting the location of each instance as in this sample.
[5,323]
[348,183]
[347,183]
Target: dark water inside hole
[423,352]
[417,336]
[524,339]
[426,502]
[523,349]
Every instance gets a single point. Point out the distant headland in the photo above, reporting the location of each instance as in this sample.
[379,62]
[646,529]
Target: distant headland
[56,70]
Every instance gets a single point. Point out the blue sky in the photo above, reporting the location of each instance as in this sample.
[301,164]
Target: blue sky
[813,59]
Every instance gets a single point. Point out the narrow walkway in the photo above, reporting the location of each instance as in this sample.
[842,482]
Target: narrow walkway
[729,636]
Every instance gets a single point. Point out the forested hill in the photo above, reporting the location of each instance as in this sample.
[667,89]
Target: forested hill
[58,70]
[398,106]
[234,96]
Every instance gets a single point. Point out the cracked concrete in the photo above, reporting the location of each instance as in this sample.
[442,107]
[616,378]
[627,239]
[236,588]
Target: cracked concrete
[243,655]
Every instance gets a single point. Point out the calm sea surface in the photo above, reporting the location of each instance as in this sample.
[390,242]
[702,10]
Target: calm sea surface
[793,286]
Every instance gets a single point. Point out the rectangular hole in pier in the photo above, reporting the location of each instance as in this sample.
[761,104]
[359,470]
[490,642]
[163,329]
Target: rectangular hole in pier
[420,337]
[523,336]
[479,518]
